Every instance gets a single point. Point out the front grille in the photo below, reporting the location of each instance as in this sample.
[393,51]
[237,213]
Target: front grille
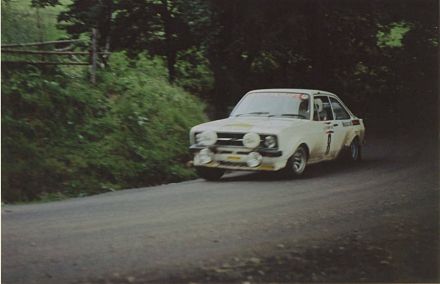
[225,152]
[230,139]
[234,139]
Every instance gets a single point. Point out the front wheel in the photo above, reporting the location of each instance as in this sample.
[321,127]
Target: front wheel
[296,165]
[211,174]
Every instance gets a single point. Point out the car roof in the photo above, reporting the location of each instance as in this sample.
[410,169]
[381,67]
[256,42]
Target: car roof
[304,91]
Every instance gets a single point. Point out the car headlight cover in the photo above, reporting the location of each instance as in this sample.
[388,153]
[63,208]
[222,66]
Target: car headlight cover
[254,159]
[270,141]
[206,138]
[251,140]
[205,156]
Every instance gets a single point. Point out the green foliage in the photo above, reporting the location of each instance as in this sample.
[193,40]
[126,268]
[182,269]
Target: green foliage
[61,134]
[23,23]
[392,34]
[17,25]
[193,72]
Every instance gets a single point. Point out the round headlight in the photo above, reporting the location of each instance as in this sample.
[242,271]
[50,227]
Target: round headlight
[251,140]
[270,141]
[206,138]
[254,159]
[205,156]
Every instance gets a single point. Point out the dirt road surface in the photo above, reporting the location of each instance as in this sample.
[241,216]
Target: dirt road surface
[375,221]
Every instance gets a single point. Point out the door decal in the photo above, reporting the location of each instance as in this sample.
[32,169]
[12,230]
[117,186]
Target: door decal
[329,141]
[329,131]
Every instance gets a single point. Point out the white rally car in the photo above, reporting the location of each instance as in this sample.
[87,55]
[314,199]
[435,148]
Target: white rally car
[277,130]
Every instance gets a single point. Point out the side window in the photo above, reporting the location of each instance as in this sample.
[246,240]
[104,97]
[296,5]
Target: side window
[339,110]
[323,110]
[303,109]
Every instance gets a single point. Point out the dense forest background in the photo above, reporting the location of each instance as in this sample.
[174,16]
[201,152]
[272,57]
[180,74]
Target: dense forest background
[379,56]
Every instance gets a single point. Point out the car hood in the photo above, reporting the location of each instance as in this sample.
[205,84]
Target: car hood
[250,124]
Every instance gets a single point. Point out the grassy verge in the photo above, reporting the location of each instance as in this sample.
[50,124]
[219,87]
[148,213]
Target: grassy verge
[63,137]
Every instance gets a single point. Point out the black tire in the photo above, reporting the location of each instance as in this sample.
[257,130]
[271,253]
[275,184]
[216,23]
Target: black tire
[354,152]
[296,165]
[211,174]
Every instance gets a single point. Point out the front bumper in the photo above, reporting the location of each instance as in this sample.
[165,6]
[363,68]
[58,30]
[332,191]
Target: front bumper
[235,158]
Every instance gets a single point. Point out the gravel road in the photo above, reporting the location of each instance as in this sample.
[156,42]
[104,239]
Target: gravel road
[375,221]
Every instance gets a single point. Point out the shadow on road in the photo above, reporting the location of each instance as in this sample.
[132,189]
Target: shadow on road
[313,171]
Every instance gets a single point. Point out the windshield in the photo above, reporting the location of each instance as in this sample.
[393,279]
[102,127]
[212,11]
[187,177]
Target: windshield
[274,104]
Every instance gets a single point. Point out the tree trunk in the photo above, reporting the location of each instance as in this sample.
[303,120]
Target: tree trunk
[316,43]
[170,52]
[171,65]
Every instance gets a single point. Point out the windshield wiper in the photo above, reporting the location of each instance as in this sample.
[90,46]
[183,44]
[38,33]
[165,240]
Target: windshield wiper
[253,113]
[289,114]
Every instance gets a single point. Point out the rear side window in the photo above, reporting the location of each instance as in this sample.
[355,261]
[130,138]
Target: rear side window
[326,112]
[339,110]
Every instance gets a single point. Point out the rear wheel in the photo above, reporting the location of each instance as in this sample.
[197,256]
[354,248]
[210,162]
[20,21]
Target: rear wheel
[352,153]
[355,153]
[296,165]
[211,174]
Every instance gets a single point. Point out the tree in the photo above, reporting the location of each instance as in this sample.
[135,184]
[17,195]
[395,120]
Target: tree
[318,44]
[156,26]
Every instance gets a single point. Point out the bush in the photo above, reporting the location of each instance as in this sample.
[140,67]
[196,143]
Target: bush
[63,135]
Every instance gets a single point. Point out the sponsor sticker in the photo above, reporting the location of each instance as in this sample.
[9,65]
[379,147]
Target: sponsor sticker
[292,95]
[234,158]
[266,167]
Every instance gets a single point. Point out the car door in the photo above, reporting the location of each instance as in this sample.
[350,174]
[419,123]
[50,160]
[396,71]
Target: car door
[340,126]
[322,123]
[324,115]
